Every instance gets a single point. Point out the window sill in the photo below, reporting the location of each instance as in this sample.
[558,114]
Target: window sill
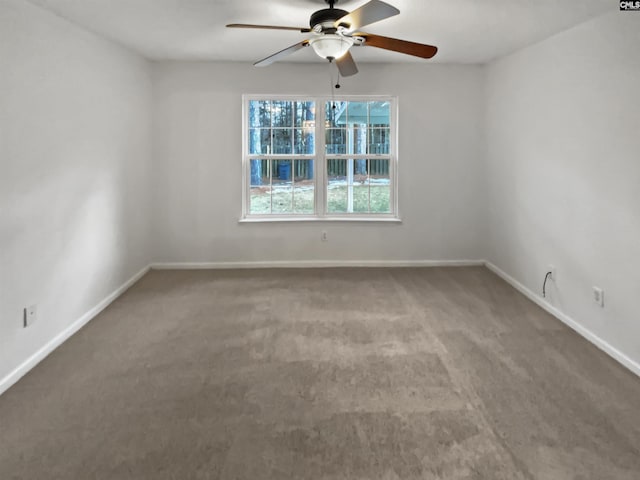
[340,219]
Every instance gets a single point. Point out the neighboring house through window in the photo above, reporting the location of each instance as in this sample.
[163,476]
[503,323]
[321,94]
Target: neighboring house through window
[319,158]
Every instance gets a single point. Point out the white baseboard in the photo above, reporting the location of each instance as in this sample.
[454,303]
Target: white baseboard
[567,320]
[59,339]
[315,264]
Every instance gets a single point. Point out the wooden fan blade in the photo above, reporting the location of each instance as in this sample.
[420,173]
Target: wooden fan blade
[346,65]
[401,46]
[369,13]
[281,54]
[268,27]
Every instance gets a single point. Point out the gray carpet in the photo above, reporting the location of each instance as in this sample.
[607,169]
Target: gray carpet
[323,374]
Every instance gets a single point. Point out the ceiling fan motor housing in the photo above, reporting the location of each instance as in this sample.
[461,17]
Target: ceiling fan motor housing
[324,20]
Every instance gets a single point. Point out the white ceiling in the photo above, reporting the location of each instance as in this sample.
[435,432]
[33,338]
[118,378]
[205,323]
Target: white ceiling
[466,31]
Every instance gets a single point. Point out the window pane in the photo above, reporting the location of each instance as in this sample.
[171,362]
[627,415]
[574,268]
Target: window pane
[337,198]
[337,170]
[358,112]
[378,140]
[282,140]
[337,186]
[304,114]
[360,198]
[304,137]
[281,172]
[380,199]
[304,141]
[380,186]
[336,113]
[259,141]
[260,181]
[282,190]
[379,114]
[379,171]
[259,113]
[260,200]
[360,171]
[281,113]
[303,187]
[336,141]
[259,173]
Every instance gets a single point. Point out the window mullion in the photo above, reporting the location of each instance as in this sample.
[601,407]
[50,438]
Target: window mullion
[320,185]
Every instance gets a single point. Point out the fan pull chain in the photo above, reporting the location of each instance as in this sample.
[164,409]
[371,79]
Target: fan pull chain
[337,84]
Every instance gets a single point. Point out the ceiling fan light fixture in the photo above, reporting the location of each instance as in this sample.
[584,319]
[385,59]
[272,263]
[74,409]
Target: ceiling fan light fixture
[331,45]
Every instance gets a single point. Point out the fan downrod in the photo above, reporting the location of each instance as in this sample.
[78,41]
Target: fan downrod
[331,3]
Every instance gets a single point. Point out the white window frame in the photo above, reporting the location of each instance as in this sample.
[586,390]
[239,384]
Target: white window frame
[319,158]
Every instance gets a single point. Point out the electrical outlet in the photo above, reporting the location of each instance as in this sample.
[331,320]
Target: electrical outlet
[598,296]
[552,269]
[323,236]
[30,314]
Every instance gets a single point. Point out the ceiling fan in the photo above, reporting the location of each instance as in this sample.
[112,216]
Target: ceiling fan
[335,31]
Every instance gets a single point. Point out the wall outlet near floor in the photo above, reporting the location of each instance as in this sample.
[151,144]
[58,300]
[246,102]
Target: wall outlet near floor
[552,269]
[598,296]
[323,236]
[30,314]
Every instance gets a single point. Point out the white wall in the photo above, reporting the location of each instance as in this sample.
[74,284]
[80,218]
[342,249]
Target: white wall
[74,157]
[563,153]
[198,154]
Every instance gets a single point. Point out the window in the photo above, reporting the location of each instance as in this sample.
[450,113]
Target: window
[319,158]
